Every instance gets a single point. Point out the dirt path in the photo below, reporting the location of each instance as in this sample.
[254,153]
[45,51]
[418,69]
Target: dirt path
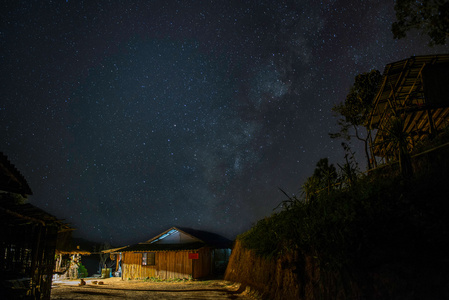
[114,288]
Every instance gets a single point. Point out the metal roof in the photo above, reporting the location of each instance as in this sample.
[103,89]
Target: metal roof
[199,239]
[152,247]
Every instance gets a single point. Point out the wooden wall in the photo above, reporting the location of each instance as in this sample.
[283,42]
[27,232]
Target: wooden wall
[27,251]
[202,266]
[132,267]
[169,265]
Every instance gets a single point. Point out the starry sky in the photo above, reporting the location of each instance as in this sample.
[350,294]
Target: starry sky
[130,117]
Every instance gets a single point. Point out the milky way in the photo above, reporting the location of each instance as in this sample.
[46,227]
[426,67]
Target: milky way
[129,117]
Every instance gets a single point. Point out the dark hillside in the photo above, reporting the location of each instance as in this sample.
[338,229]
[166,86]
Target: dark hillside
[382,238]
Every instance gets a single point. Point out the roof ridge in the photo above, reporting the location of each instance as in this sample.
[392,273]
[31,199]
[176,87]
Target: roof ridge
[24,187]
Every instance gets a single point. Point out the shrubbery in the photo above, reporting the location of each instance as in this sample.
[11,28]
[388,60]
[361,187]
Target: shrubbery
[82,271]
[377,218]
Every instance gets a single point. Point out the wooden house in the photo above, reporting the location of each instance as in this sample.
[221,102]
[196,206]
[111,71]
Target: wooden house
[416,90]
[175,253]
[28,239]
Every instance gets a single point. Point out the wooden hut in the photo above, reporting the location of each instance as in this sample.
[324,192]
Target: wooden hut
[416,90]
[67,263]
[28,239]
[175,253]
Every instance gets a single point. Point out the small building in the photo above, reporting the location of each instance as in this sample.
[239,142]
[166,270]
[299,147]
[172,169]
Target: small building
[175,253]
[28,239]
[415,89]
[67,263]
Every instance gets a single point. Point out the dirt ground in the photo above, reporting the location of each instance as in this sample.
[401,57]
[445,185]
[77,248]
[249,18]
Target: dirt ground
[115,288]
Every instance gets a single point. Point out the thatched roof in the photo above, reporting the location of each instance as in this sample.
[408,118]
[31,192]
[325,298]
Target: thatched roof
[74,251]
[16,214]
[114,250]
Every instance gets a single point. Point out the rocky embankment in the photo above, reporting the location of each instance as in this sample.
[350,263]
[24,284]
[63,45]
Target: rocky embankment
[288,277]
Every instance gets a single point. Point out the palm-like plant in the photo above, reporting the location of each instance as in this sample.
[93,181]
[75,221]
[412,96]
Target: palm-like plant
[400,139]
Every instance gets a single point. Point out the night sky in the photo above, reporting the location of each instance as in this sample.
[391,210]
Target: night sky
[130,117]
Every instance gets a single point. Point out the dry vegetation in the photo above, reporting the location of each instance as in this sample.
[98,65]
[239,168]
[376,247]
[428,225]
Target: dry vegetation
[115,288]
[383,237]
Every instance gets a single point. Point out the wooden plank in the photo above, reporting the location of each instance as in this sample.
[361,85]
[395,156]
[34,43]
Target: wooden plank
[168,265]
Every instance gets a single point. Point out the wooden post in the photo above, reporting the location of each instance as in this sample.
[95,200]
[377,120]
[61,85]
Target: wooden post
[35,263]
[371,146]
[193,268]
[431,124]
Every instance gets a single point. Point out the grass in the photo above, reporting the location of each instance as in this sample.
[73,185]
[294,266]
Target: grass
[384,235]
[380,217]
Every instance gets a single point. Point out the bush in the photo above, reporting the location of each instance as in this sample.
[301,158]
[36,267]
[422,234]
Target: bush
[82,271]
[380,216]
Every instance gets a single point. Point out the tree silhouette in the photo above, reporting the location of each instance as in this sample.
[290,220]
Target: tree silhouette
[311,188]
[324,177]
[325,173]
[349,169]
[431,17]
[103,256]
[354,111]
